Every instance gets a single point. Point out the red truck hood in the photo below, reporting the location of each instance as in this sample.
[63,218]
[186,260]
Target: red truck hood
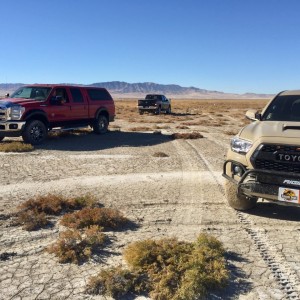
[7,102]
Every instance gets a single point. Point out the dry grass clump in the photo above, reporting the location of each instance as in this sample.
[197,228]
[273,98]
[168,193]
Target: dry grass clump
[105,217]
[15,147]
[66,133]
[161,127]
[32,214]
[75,246]
[32,219]
[140,128]
[160,154]
[194,123]
[187,135]
[182,127]
[167,269]
[117,282]
[230,132]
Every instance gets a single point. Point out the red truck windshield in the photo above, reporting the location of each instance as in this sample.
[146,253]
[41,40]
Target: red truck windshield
[32,92]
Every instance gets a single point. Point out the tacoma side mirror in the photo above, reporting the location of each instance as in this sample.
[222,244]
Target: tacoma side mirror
[253,115]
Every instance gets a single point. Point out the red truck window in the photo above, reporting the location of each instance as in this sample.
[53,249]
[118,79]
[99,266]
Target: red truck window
[98,94]
[76,95]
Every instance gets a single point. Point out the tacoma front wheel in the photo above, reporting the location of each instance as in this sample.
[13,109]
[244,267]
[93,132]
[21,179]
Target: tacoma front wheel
[236,200]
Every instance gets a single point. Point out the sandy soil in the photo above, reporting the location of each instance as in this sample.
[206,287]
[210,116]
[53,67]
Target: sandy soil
[180,195]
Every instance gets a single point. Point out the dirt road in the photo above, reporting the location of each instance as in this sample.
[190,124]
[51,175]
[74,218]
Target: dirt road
[179,195]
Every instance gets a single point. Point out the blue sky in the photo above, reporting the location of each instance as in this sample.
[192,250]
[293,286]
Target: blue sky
[225,45]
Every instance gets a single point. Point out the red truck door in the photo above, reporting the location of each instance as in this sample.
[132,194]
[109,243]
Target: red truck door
[79,105]
[59,111]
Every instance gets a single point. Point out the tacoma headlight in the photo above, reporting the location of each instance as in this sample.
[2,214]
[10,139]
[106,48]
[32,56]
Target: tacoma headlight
[240,146]
[15,112]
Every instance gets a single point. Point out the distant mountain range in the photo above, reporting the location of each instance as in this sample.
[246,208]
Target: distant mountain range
[120,89]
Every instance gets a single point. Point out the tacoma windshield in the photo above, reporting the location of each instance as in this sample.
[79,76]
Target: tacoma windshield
[32,92]
[283,108]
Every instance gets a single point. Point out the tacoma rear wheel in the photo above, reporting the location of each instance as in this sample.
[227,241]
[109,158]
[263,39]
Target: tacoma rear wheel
[101,124]
[236,200]
[35,132]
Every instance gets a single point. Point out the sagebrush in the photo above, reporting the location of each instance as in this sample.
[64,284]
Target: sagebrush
[78,246]
[105,217]
[32,214]
[167,269]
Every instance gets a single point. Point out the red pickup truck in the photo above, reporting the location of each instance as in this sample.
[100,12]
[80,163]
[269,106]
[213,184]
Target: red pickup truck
[33,110]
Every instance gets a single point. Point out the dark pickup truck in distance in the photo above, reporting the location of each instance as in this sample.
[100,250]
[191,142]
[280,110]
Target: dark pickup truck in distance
[33,110]
[154,103]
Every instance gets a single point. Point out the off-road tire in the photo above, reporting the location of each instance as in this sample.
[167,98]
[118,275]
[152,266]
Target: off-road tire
[158,111]
[168,111]
[238,201]
[101,124]
[35,132]
[141,112]
[1,138]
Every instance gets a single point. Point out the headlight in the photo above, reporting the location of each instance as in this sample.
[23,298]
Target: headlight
[240,146]
[15,112]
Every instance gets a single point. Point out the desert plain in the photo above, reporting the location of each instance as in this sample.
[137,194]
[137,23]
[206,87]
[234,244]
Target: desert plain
[167,188]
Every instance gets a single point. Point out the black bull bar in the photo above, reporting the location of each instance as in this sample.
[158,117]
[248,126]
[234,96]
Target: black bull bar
[263,183]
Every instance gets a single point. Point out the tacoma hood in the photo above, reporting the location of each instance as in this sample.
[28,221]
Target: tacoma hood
[276,129]
[8,102]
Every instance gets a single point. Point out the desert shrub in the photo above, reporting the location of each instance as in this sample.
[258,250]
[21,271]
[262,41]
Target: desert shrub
[168,268]
[140,128]
[32,213]
[75,246]
[68,133]
[161,127]
[230,132]
[32,219]
[116,282]
[187,135]
[105,217]
[15,147]
[182,127]
[52,204]
[160,154]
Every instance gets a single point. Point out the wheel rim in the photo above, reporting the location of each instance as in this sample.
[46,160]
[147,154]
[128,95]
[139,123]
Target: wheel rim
[36,133]
[102,123]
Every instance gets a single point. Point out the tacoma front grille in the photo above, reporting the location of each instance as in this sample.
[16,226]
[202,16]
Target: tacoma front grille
[266,157]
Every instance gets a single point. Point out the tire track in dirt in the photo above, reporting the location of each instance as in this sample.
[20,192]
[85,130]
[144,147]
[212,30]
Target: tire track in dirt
[193,189]
[286,277]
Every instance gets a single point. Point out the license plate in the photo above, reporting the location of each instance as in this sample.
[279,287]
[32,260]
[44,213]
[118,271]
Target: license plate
[289,195]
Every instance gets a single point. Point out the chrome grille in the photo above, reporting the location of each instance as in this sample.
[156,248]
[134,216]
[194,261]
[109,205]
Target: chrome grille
[2,114]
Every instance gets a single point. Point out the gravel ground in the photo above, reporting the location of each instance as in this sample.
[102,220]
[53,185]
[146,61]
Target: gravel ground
[179,195]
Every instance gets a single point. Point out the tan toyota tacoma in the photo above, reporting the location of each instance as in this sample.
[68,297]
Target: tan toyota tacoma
[264,157]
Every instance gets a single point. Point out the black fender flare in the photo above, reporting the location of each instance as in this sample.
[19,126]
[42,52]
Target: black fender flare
[37,115]
[102,110]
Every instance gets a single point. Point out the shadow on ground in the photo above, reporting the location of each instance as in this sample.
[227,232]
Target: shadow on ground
[238,283]
[271,210]
[92,142]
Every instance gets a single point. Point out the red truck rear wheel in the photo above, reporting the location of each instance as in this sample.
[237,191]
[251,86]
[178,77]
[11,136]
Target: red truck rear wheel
[101,124]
